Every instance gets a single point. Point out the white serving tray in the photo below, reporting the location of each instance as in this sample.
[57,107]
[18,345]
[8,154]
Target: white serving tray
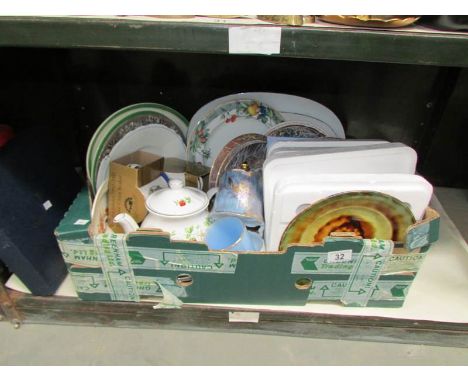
[390,158]
[276,146]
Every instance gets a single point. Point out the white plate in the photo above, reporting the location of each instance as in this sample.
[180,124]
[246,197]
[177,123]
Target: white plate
[122,121]
[98,223]
[155,139]
[293,194]
[290,106]
[226,122]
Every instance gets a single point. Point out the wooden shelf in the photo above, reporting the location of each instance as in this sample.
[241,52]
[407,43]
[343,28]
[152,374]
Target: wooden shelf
[71,311]
[407,46]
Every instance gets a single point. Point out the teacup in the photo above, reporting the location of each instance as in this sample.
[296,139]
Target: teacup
[231,234]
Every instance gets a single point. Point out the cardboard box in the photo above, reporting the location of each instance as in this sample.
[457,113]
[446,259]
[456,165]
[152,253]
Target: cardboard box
[126,175]
[144,265]
[194,173]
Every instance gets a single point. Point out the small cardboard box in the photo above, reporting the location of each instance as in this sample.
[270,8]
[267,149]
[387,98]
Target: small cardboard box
[126,175]
[146,264]
[193,172]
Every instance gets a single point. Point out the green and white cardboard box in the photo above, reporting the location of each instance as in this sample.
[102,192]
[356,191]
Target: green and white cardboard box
[147,265]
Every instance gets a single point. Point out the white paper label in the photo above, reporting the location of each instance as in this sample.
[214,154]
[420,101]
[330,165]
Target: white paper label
[340,256]
[244,317]
[81,222]
[256,40]
[47,205]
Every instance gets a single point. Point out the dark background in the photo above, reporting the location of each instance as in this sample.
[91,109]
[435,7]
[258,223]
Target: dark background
[67,93]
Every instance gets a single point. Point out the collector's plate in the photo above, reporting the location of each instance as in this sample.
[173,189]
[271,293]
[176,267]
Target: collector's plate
[370,215]
[226,122]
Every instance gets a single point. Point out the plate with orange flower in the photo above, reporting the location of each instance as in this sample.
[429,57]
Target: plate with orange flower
[226,122]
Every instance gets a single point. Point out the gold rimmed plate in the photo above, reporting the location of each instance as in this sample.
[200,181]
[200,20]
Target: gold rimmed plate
[368,214]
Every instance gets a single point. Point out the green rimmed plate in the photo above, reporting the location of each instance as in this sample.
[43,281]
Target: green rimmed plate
[125,120]
[367,214]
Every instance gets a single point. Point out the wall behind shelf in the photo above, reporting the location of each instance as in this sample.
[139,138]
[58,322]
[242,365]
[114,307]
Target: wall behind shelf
[71,91]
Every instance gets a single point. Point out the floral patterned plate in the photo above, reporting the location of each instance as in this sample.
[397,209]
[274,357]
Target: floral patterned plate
[225,123]
[291,108]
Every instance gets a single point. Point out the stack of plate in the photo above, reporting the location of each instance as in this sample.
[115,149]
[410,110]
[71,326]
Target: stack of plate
[149,127]
[228,129]
[299,176]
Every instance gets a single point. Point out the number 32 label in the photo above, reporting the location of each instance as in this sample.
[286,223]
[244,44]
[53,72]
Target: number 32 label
[340,256]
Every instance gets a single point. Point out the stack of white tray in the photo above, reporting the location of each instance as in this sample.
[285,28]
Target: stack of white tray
[298,173]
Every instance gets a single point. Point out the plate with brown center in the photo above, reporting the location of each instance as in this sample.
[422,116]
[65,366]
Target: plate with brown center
[367,214]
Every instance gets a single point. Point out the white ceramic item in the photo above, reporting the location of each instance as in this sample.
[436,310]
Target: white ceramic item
[128,119]
[276,146]
[290,106]
[293,194]
[98,223]
[156,139]
[387,158]
[181,211]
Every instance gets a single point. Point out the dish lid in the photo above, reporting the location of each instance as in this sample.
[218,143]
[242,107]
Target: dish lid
[177,200]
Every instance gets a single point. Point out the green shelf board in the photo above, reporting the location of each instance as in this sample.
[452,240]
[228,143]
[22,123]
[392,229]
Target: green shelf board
[333,43]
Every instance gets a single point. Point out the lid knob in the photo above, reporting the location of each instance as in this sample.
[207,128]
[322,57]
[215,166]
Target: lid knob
[176,184]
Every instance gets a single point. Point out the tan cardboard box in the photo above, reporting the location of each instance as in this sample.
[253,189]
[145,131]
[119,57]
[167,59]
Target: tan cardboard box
[126,175]
[193,172]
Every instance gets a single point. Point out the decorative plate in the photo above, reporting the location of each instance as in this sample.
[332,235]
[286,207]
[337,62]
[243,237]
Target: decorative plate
[122,122]
[365,213]
[293,129]
[247,148]
[225,123]
[291,108]
[126,116]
